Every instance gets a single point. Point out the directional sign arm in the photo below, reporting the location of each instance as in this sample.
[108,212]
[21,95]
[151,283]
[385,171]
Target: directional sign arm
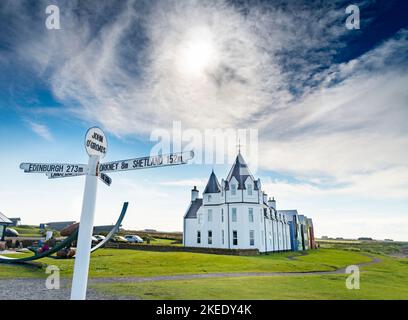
[105,179]
[164,160]
[56,168]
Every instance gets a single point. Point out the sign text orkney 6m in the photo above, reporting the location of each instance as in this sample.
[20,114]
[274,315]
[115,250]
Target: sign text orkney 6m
[96,146]
[147,162]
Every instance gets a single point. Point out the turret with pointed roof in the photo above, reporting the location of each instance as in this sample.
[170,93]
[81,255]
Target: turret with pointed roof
[240,171]
[213,186]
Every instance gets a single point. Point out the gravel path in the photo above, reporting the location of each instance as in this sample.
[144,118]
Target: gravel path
[34,289]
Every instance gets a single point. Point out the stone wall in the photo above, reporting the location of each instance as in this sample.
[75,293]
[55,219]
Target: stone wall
[164,248]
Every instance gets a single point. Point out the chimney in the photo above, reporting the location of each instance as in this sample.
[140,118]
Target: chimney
[272,203]
[265,197]
[194,194]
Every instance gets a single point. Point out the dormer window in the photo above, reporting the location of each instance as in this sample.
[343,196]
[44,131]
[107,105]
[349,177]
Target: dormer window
[233,189]
[249,187]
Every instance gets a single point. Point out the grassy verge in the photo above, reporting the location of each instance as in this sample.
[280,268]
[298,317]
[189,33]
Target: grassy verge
[385,280]
[134,263]
[167,242]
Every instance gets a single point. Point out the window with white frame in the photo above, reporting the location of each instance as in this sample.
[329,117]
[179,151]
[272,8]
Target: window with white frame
[234,214]
[249,189]
[222,215]
[235,237]
[209,215]
[233,189]
[251,237]
[209,198]
[200,218]
[250,214]
[222,236]
[209,237]
[198,236]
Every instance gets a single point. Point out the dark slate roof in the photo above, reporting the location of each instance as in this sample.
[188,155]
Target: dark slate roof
[288,213]
[192,210]
[213,186]
[240,172]
[4,219]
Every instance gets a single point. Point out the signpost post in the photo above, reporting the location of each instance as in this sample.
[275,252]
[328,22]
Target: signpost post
[96,146]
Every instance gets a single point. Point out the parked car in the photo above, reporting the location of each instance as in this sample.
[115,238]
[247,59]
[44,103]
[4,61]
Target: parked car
[119,239]
[99,237]
[134,238]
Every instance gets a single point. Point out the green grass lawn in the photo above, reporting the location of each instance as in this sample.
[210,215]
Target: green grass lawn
[386,280]
[127,263]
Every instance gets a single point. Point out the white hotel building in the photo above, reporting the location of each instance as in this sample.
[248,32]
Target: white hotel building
[235,214]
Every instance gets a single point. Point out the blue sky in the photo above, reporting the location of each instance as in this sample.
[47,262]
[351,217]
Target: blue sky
[329,104]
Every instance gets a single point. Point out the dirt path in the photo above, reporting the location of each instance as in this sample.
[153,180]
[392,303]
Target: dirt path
[34,289]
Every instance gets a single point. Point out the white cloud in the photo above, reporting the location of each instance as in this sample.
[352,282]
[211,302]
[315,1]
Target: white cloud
[348,133]
[41,130]
[132,87]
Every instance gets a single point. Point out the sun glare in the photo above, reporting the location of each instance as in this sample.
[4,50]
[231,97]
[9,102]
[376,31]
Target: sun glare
[197,54]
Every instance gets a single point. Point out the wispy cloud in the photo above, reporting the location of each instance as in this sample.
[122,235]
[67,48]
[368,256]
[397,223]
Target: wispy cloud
[41,130]
[270,67]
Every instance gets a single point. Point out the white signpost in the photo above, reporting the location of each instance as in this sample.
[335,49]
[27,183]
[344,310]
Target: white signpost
[96,146]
